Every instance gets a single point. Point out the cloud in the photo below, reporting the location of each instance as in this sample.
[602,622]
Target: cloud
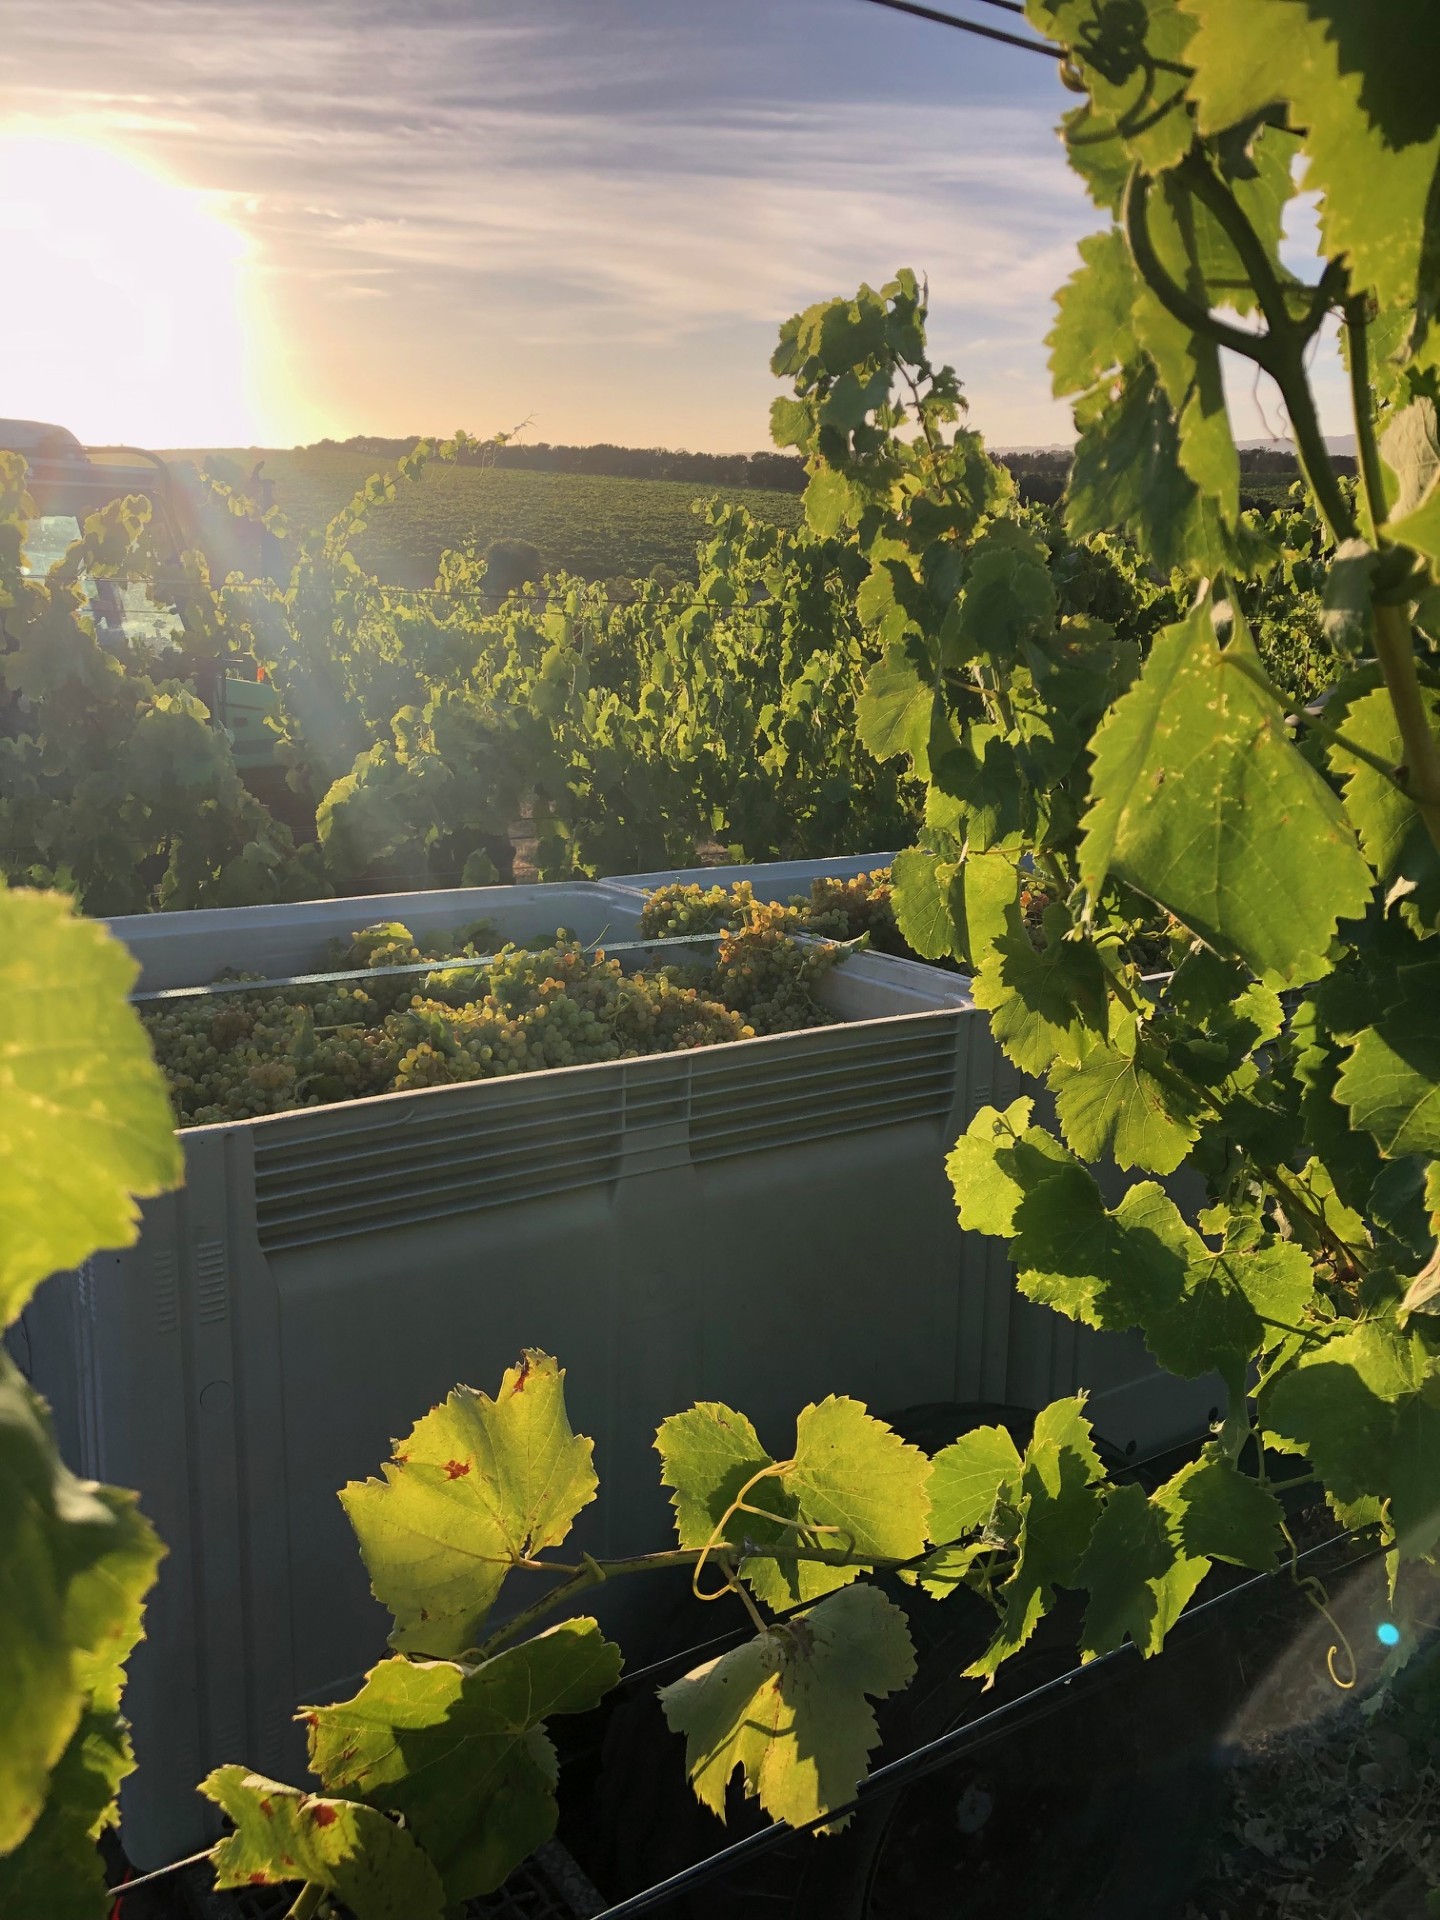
[508,179]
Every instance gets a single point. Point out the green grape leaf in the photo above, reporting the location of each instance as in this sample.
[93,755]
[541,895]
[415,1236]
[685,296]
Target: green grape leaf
[1187,363]
[1410,446]
[996,1162]
[1127,476]
[1391,830]
[975,791]
[983,891]
[828,499]
[1105,1268]
[1008,598]
[969,1476]
[350,1850]
[1216,1512]
[85,1120]
[1391,1079]
[77,1561]
[1365,1408]
[460,1753]
[1235,1303]
[1351,73]
[971,1479]
[1203,804]
[896,707]
[921,896]
[1130,1105]
[1059,1503]
[853,1485]
[1138,1579]
[479,1485]
[1347,615]
[57,1870]
[1095,308]
[791,1708]
[1042,1004]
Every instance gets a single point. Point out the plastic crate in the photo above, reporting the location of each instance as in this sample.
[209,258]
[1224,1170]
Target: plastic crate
[763,1222]
[774,880]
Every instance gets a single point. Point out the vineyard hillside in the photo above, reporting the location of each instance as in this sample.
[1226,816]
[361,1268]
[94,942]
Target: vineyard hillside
[598,526]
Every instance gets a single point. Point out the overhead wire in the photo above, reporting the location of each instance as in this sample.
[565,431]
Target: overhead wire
[972,26]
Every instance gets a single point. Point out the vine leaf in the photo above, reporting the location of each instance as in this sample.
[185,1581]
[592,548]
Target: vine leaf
[921,883]
[1059,1503]
[895,709]
[1391,1079]
[1365,1409]
[1391,830]
[973,1478]
[1126,1101]
[85,1120]
[1351,73]
[350,1850]
[1107,1269]
[479,1485]
[78,1561]
[57,1870]
[996,1162]
[1215,1511]
[1138,1579]
[853,1486]
[791,1708]
[1042,1004]
[1203,804]
[460,1753]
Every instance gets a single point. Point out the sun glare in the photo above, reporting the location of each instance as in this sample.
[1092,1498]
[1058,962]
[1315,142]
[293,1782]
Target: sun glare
[125,315]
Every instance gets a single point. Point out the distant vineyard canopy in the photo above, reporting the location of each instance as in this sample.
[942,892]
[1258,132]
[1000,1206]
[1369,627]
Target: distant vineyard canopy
[777,472]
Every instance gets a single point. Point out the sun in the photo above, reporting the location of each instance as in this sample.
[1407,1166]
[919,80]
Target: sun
[126,304]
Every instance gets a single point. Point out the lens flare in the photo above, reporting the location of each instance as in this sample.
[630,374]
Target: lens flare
[126,319]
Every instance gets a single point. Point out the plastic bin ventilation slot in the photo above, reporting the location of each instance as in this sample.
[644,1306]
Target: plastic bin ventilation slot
[762,1223]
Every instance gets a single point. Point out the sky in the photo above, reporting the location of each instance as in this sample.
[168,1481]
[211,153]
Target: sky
[259,222]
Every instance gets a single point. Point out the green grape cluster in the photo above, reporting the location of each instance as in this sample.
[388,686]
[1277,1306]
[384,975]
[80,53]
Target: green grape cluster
[552,1004]
[852,909]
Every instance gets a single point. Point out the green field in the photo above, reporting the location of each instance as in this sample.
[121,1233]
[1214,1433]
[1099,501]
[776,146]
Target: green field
[588,524]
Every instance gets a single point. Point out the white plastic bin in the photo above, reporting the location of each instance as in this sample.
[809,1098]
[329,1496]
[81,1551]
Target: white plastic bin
[763,1223]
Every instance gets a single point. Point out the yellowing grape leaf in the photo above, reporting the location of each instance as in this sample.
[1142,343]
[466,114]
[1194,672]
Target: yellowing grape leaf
[348,1849]
[791,1708]
[85,1120]
[461,1753]
[479,1485]
[1203,804]
[75,1563]
[852,1486]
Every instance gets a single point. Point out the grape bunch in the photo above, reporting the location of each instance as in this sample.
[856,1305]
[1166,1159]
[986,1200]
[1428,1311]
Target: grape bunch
[851,909]
[243,1054]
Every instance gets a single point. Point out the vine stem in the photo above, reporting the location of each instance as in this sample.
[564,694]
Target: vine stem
[306,1903]
[1396,654]
[1420,777]
[593,1573]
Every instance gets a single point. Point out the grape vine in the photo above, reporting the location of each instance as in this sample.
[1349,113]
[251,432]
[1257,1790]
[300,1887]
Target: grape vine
[1202,917]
